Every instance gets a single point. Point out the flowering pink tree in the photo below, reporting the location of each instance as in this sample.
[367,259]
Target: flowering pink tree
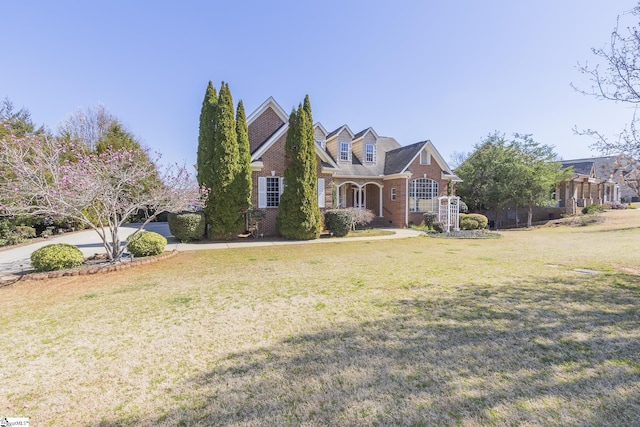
[39,176]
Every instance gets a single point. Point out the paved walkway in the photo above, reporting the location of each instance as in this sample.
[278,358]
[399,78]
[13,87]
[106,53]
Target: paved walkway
[16,260]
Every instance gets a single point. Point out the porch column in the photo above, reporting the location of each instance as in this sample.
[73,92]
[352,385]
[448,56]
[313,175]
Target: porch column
[381,213]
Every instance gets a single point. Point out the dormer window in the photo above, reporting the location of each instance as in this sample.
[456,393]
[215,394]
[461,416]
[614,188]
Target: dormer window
[370,153]
[345,151]
[425,157]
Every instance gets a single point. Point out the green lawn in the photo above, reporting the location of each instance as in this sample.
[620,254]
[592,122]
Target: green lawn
[417,331]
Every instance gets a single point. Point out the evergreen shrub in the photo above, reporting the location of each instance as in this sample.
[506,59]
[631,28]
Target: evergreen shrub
[438,227]
[338,221]
[429,219]
[591,209]
[473,221]
[146,243]
[58,256]
[187,226]
[25,232]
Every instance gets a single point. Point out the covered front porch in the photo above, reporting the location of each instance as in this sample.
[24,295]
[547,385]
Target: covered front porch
[580,192]
[360,194]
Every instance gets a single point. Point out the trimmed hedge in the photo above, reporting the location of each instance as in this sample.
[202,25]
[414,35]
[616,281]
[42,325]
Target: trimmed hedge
[187,226]
[146,243]
[473,221]
[57,256]
[338,221]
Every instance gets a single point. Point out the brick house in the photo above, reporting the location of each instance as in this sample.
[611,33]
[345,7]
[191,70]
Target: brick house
[398,184]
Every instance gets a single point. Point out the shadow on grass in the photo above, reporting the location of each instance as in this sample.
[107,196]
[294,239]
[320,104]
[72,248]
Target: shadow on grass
[562,352]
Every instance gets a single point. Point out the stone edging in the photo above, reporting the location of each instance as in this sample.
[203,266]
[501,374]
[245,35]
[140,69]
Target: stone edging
[96,269]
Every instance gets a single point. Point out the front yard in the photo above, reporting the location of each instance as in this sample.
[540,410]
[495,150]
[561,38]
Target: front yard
[415,331]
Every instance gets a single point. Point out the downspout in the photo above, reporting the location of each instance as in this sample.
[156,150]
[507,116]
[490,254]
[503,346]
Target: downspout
[406,207]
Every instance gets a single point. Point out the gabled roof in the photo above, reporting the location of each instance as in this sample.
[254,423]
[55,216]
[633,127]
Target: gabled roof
[319,126]
[363,132]
[269,103]
[398,160]
[340,129]
[580,167]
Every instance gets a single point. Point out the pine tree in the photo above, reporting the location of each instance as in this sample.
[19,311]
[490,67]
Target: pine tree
[205,143]
[242,183]
[298,212]
[224,212]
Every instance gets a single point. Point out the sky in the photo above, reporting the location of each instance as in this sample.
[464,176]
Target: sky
[449,71]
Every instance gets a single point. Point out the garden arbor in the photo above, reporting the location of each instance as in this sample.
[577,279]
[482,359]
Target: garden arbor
[449,212]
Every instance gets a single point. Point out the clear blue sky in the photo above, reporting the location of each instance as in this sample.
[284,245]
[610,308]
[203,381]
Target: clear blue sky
[448,71]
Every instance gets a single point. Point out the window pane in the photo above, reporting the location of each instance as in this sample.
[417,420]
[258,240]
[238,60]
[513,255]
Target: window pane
[273,192]
[423,195]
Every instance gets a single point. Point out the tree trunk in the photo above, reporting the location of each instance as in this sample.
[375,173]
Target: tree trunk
[530,215]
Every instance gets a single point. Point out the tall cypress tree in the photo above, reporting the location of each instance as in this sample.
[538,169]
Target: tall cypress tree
[242,183]
[225,212]
[298,212]
[204,163]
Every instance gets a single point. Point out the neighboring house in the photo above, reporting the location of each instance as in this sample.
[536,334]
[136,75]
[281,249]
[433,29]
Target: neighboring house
[398,184]
[597,180]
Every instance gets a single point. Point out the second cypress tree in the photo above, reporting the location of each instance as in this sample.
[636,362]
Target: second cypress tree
[298,213]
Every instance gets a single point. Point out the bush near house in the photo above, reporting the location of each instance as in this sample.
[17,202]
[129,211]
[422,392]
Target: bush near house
[438,227]
[58,256]
[615,205]
[146,243]
[187,226]
[429,219]
[360,217]
[473,221]
[338,221]
[591,209]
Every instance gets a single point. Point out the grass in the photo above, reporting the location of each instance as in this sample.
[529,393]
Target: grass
[415,332]
[369,232]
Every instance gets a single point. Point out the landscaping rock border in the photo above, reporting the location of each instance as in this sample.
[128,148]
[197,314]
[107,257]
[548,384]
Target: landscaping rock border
[96,269]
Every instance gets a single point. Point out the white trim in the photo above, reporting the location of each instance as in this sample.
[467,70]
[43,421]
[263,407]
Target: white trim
[262,192]
[339,131]
[428,145]
[397,176]
[270,102]
[406,203]
[373,153]
[269,142]
[340,151]
[257,166]
[321,196]
[319,125]
[368,130]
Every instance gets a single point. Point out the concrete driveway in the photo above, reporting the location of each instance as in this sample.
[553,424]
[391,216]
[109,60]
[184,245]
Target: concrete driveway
[16,260]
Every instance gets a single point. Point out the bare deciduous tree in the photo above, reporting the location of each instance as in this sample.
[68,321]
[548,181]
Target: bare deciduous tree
[87,125]
[616,77]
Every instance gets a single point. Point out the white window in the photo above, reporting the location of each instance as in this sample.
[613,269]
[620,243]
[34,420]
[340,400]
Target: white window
[425,157]
[370,153]
[394,194]
[423,195]
[321,198]
[269,191]
[345,151]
